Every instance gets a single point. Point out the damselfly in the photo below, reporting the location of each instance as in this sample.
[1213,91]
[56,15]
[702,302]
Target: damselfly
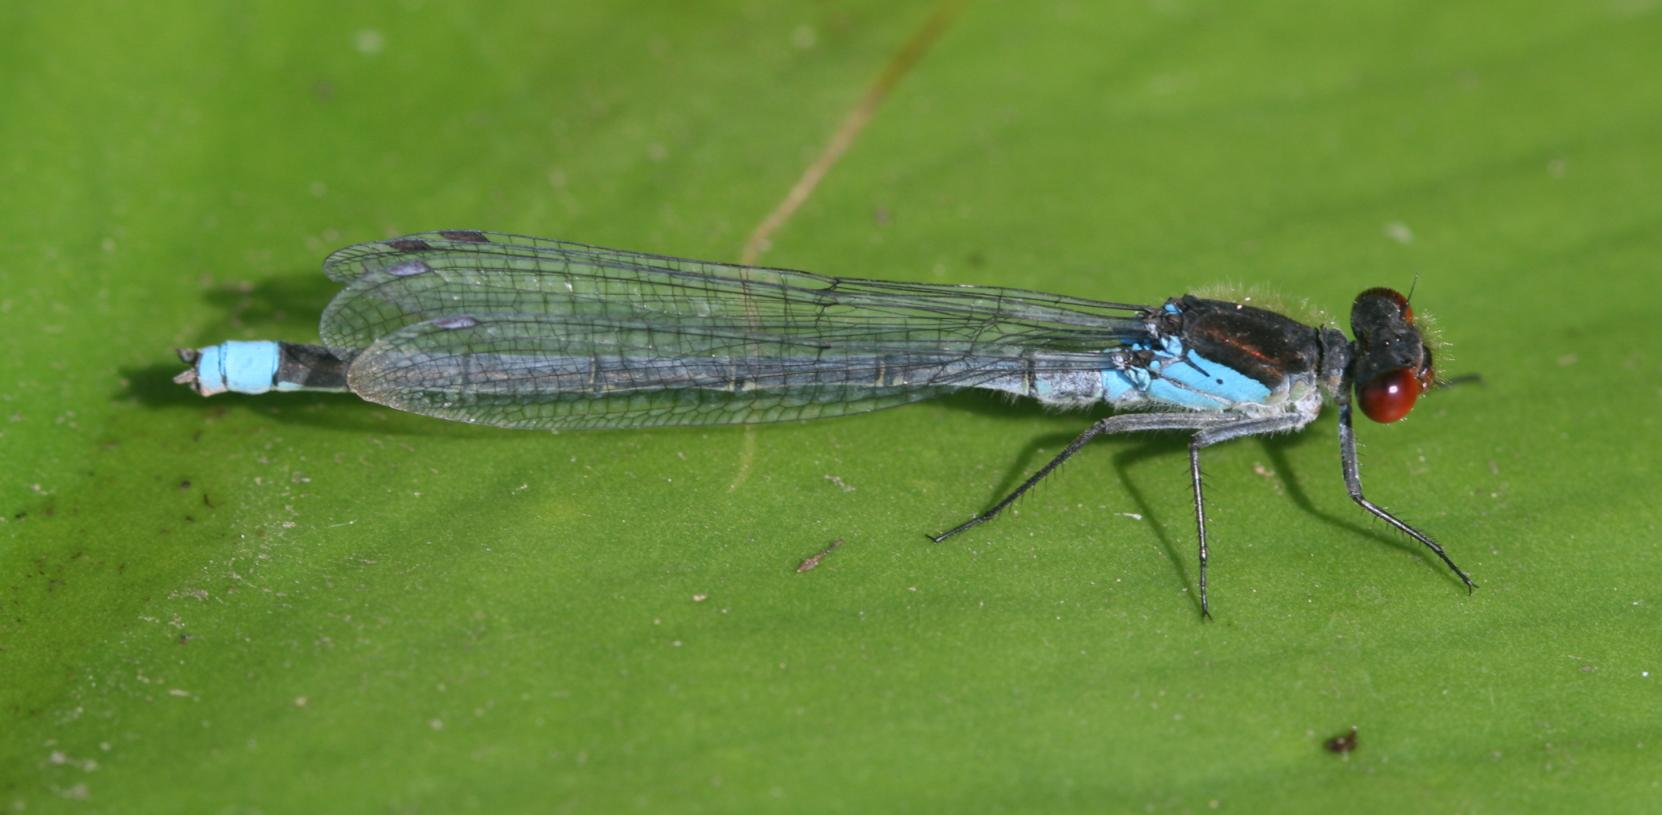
[524,332]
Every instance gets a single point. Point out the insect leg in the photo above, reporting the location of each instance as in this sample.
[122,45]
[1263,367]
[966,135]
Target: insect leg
[1214,435]
[1123,423]
[1353,484]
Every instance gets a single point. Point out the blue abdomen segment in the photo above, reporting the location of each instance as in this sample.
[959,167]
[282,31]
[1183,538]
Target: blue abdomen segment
[239,367]
[260,367]
[1178,376]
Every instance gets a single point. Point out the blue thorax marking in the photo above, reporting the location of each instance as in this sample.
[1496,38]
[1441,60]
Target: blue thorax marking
[1181,377]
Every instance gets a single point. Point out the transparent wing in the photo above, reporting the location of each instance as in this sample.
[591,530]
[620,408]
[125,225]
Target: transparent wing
[530,372]
[526,332]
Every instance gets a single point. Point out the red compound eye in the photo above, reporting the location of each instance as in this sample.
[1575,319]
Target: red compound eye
[1389,396]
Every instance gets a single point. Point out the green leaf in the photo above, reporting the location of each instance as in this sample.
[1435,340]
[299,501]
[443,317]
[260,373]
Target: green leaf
[307,603]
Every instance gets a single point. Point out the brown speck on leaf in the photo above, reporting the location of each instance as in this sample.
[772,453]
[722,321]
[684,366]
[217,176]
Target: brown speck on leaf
[813,561]
[1342,743]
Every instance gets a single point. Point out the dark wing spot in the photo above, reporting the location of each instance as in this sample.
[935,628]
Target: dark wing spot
[465,235]
[410,245]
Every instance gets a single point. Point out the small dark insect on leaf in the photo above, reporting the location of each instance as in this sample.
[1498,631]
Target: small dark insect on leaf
[1342,743]
[813,561]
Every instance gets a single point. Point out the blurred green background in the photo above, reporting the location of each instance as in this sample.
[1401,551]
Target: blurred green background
[309,603]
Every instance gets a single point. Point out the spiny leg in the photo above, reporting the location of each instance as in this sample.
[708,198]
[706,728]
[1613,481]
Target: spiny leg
[1353,484]
[1200,521]
[1208,437]
[1123,423]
